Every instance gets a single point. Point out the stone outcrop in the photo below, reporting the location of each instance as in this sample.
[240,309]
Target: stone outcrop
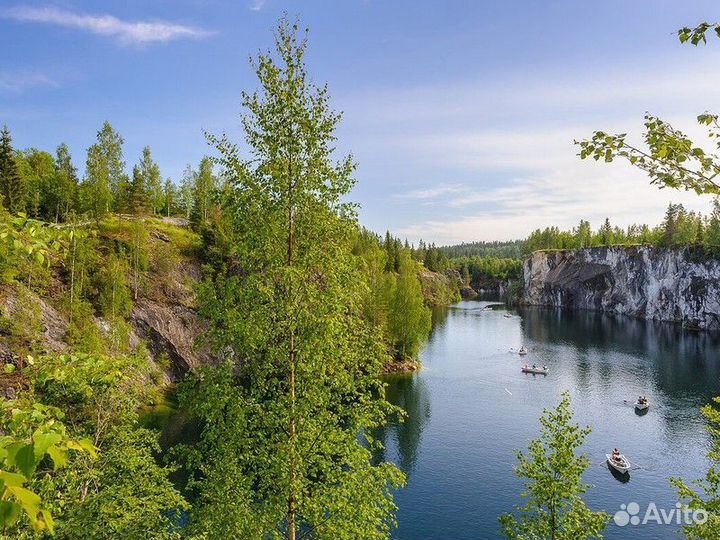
[171,330]
[674,285]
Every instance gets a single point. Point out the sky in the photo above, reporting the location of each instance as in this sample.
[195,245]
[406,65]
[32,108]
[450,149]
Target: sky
[460,114]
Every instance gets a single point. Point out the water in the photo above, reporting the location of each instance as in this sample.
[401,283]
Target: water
[471,407]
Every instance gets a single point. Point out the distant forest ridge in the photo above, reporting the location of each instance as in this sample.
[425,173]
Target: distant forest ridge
[679,228]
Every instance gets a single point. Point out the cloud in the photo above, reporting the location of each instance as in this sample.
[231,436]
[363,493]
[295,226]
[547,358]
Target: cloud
[501,149]
[432,193]
[127,32]
[17,82]
[257,5]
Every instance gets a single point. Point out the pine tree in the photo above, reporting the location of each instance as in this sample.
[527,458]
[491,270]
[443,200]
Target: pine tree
[12,189]
[138,194]
[282,452]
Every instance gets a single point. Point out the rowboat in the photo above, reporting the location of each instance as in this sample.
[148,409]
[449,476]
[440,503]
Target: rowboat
[522,351]
[621,465]
[535,370]
[642,406]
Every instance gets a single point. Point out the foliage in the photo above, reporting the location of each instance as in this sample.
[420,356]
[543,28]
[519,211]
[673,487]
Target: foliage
[553,479]
[478,269]
[512,249]
[124,493]
[704,494]
[30,434]
[12,189]
[288,312]
[409,320]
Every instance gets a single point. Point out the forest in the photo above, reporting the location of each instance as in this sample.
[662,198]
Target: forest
[304,310]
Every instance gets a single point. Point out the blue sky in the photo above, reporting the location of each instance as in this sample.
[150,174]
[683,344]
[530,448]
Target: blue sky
[460,114]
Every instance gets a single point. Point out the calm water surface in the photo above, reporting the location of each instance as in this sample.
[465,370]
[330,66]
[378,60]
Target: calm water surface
[471,407]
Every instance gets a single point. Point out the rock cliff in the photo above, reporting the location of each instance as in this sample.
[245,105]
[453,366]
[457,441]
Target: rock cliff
[675,285]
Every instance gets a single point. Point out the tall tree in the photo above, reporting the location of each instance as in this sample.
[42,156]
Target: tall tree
[409,319]
[37,170]
[186,197]
[64,193]
[138,193]
[106,181]
[169,197]
[205,187]
[306,388]
[12,189]
[552,471]
[150,172]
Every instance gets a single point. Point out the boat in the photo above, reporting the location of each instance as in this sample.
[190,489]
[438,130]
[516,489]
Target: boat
[535,370]
[622,465]
[522,351]
[642,405]
[507,316]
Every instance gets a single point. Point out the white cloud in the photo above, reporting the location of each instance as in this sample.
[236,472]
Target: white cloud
[433,192]
[127,32]
[16,82]
[507,145]
[257,5]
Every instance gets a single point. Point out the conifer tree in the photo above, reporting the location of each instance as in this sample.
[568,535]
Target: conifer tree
[12,189]
[138,193]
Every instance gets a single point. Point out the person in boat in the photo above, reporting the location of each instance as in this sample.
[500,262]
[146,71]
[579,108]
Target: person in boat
[534,366]
[544,367]
[616,456]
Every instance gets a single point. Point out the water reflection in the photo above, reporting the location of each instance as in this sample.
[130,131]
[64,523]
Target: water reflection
[403,439]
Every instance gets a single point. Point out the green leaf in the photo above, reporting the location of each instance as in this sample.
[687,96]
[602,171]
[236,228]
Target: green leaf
[59,457]
[29,501]
[12,479]
[9,512]
[43,442]
[24,459]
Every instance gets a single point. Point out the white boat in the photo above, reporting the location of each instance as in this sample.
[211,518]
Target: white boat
[507,316]
[522,351]
[642,406]
[535,370]
[621,465]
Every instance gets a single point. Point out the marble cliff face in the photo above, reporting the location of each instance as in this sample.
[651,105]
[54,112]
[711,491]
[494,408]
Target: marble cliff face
[674,285]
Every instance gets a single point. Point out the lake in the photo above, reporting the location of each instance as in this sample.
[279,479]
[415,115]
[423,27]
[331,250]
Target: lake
[471,407]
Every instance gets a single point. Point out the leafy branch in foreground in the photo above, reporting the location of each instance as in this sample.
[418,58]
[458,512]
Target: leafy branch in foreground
[671,159]
[553,473]
[30,435]
[704,494]
[697,35]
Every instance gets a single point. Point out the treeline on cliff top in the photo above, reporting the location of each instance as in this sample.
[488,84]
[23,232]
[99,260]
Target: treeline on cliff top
[679,228]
